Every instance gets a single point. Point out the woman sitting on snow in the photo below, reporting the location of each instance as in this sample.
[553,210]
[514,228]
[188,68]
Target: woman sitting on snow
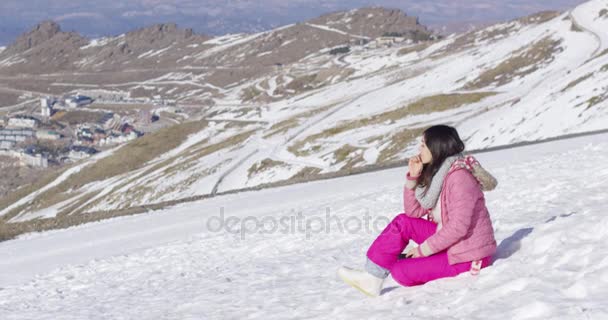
[458,235]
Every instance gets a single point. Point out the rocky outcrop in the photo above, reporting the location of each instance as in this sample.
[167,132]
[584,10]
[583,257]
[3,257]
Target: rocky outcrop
[373,22]
[40,34]
[165,33]
[44,49]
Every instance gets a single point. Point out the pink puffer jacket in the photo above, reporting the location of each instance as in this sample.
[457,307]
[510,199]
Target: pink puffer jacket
[466,231]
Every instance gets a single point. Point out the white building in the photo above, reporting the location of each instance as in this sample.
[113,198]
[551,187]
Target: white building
[7,144]
[78,101]
[23,122]
[76,155]
[113,123]
[110,140]
[386,41]
[46,106]
[17,135]
[80,152]
[48,135]
[33,160]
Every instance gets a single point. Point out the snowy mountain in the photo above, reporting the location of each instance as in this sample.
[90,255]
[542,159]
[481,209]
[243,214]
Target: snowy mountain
[549,212]
[48,50]
[320,115]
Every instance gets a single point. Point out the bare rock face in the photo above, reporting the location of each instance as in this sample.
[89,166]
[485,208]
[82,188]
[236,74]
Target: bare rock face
[41,33]
[159,45]
[374,22]
[47,49]
[44,49]
[159,33]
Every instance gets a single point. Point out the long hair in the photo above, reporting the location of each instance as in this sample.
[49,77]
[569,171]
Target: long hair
[443,142]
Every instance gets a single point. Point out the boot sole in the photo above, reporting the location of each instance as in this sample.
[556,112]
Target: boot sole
[356,287]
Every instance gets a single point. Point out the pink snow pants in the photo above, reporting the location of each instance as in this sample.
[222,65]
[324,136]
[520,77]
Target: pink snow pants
[385,251]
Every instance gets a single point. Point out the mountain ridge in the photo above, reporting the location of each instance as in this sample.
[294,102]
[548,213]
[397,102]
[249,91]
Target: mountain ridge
[527,79]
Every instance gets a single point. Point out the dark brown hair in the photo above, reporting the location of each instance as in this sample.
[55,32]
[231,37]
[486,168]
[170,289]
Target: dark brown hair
[443,141]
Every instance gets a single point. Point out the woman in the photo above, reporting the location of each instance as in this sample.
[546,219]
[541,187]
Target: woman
[458,234]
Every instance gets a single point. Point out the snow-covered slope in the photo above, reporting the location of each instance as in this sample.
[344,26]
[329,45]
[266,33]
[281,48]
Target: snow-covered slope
[549,212]
[528,79]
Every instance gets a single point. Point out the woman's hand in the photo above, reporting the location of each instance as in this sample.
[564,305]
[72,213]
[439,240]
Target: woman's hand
[413,253]
[415,166]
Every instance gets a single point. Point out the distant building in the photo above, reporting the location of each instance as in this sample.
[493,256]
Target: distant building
[81,152]
[22,121]
[46,106]
[35,160]
[25,159]
[84,132]
[78,101]
[99,134]
[48,135]
[385,41]
[17,135]
[7,145]
[113,123]
[127,128]
[86,140]
[118,139]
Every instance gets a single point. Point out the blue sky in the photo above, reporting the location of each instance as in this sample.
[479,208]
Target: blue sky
[100,18]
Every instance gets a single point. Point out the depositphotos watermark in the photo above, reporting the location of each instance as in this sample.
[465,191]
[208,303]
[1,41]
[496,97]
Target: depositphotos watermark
[297,223]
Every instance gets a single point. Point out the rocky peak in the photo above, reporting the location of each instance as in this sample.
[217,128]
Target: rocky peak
[163,32]
[43,32]
[373,22]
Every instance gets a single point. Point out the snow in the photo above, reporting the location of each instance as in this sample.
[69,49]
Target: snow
[287,42]
[326,28]
[186,57]
[587,15]
[153,53]
[530,107]
[270,85]
[159,52]
[98,42]
[49,212]
[11,60]
[145,54]
[228,41]
[548,214]
[57,181]
[224,39]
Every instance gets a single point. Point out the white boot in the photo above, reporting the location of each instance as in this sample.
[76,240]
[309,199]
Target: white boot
[361,280]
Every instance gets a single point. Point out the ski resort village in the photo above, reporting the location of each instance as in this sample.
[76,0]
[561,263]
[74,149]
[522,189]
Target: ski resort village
[73,128]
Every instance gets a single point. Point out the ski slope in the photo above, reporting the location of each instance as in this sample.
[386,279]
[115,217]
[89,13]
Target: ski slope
[549,213]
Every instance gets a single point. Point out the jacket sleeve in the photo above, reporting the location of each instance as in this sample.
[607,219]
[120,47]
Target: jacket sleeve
[411,206]
[463,194]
